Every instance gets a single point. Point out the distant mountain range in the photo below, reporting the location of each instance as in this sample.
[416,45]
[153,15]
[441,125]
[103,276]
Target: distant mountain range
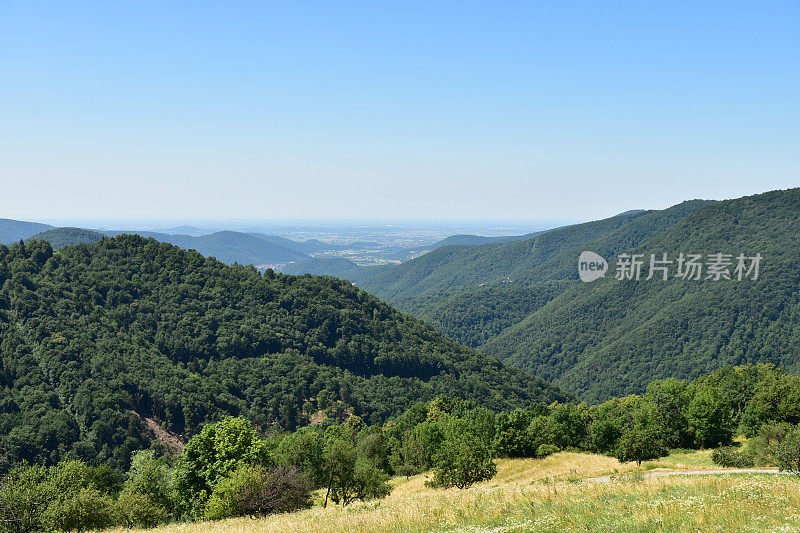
[227,246]
[16,230]
[296,257]
[471,240]
[232,246]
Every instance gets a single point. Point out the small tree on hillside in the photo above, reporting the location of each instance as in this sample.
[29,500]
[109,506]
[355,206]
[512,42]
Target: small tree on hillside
[351,475]
[463,459]
[216,452]
[640,443]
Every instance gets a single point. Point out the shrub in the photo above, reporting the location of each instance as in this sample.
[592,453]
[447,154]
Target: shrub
[787,452]
[256,491]
[546,449]
[763,446]
[87,510]
[152,477]
[216,452]
[138,510]
[729,456]
[24,495]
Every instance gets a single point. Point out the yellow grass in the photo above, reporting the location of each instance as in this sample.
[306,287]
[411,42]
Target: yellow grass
[552,494]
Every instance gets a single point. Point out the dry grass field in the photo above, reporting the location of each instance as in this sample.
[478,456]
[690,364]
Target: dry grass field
[555,494]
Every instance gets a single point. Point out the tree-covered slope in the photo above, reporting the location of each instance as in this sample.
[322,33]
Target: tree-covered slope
[60,237]
[611,337]
[474,315]
[95,332]
[469,266]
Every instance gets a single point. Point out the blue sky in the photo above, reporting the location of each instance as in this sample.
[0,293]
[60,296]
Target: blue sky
[462,110]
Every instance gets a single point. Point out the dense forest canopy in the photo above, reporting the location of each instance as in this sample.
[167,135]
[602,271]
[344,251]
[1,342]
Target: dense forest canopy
[61,237]
[97,337]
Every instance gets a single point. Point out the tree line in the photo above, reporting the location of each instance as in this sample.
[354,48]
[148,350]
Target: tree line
[230,468]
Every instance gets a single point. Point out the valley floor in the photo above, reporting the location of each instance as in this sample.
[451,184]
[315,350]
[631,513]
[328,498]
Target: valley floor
[563,492]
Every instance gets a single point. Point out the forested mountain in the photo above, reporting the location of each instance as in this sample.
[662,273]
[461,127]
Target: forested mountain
[473,316]
[60,237]
[473,293]
[14,230]
[231,246]
[96,336]
[611,337]
[309,246]
[469,267]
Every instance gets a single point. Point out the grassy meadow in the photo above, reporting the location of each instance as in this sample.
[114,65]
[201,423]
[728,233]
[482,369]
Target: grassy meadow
[557,494]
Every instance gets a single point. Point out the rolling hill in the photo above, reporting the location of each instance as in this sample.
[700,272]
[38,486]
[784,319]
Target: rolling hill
[60,237]
[473,293]
[96,338]
[231,246]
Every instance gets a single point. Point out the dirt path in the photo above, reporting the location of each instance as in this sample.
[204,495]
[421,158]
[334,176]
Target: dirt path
[605,479]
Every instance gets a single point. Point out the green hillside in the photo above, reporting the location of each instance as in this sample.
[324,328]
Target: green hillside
[473,317]
[60,237]
[610,337]
[95,336]
[469,267]
[533,272]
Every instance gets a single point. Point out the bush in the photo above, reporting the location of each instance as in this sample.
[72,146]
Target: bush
[150,476]
[70,496]
[787,452]
[138,510]
[763,446]
[89,509]
[24,495]
[256,491]
[546,449]
[731,457]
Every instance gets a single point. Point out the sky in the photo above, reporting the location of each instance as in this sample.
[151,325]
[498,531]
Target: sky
[397,110]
